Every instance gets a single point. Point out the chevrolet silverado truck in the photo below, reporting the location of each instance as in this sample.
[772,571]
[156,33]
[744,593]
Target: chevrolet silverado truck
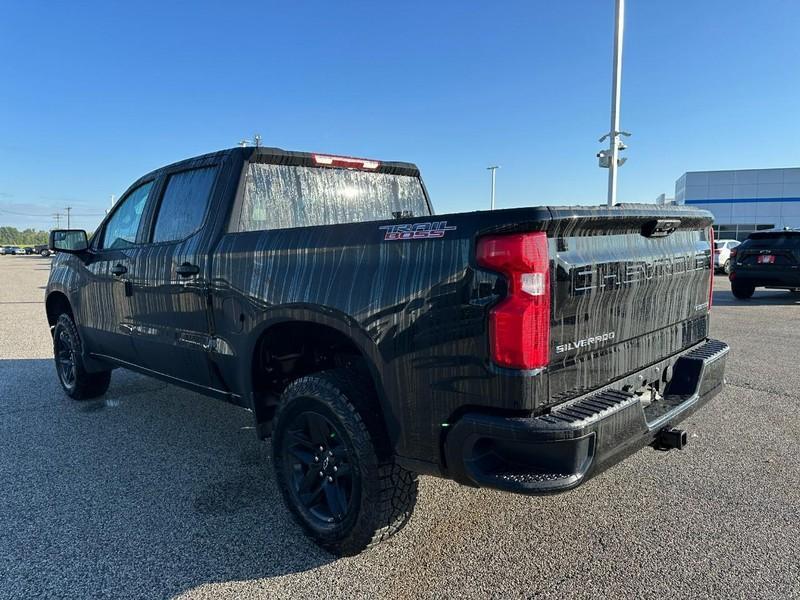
[523,350]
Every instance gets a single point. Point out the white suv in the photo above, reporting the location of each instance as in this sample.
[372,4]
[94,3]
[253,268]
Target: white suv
[722,254]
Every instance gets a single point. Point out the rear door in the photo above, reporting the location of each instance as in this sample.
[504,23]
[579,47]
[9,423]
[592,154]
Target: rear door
[626,294]
[170,280]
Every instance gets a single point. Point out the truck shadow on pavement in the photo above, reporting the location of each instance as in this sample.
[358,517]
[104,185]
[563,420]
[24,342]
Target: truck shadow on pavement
[150,491]
[762,297]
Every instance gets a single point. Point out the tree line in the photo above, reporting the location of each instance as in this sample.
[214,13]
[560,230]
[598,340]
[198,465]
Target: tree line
[26,237]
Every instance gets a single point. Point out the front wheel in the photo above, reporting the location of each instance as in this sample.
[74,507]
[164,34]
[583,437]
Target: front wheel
[75,380]
[343,489]
[742,291]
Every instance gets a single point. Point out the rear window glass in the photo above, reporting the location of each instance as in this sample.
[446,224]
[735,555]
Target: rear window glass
[790,241]
[282,196]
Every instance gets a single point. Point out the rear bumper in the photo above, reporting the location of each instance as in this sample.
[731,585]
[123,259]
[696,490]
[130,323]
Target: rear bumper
[558,451]
[780,278]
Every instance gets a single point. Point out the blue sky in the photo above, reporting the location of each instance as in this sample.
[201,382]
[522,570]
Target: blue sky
[94,95]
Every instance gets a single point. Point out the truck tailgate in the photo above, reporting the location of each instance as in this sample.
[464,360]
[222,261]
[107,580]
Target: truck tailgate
[627,292]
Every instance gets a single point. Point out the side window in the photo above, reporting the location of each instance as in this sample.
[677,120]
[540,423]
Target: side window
[184,204]
[121,228]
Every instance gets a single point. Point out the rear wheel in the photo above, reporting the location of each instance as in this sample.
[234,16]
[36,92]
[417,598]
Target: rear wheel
[341,488]
[727,267]
[75,380]
[742,291]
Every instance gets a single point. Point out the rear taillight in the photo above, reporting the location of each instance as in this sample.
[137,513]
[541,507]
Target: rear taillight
[733,253]
[519,326]
[711,269]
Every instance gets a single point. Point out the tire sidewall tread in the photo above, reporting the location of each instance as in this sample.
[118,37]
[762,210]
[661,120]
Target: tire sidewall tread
[87,385]
[387,493]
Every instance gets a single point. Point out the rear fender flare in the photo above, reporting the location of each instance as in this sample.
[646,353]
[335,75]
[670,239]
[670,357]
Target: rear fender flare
[342,323]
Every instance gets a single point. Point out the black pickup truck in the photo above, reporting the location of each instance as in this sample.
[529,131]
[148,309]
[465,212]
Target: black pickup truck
[522,349]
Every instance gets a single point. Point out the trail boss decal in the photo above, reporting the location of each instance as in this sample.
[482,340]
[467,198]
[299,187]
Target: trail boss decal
[585,342]
[417,231]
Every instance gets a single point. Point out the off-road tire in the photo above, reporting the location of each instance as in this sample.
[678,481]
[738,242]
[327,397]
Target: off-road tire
[742,291]
[82,385]
[383,494]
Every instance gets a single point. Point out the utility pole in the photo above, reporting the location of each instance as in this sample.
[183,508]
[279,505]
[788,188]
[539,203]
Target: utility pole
[610,158]
[493,169]
[69,208]
[57,217]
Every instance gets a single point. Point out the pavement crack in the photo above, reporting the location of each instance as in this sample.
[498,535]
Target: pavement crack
[748,386]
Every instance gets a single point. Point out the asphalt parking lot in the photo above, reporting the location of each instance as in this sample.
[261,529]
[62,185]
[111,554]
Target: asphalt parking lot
[156,492]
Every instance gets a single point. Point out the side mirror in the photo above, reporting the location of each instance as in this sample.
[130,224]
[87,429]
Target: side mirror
[73,241]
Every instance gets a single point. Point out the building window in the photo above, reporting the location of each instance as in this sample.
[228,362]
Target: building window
[739,231]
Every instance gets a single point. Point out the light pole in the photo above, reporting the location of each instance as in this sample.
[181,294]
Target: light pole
[610,158]
[69,208]
[493,169]
[255,142]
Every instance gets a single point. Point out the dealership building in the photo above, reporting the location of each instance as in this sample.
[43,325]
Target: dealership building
[743,201]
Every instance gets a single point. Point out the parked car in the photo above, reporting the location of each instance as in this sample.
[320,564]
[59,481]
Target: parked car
[722,254]
[12,250]
[41,250]
[768,259]
[524,349]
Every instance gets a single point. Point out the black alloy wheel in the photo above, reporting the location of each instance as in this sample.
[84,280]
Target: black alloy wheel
[319,462]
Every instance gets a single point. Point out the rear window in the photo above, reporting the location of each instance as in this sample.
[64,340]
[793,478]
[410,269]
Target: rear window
[283,196]
[778,241]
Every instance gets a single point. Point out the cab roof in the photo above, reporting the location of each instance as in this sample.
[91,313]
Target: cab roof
[290,157]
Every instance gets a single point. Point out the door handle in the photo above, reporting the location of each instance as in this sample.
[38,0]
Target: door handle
[187,269]
[119,270]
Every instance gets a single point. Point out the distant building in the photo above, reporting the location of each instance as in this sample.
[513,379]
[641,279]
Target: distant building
[743,201]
